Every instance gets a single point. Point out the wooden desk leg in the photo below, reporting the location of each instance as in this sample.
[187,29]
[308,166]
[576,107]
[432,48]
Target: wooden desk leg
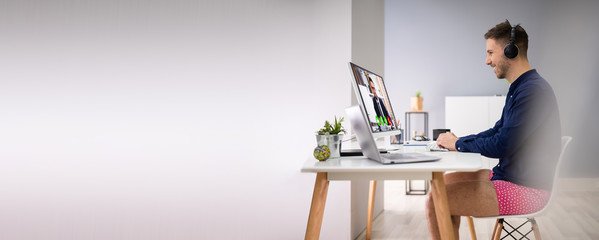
[442,206]
[371,194]
[319,198]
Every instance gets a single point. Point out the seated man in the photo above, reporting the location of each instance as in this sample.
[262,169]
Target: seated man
[526,140]
[378,103]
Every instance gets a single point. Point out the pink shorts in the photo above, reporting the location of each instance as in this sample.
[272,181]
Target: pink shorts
[515,199]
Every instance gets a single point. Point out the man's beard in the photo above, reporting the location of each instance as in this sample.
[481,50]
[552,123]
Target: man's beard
[501,69]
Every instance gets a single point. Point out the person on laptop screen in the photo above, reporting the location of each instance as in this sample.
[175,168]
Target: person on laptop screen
[372,95]
[526,140]
[379,106]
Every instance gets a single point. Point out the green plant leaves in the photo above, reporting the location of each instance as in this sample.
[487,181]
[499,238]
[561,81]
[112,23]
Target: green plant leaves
[332,129]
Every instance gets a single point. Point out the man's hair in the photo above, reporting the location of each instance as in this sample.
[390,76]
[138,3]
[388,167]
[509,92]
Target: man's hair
[369,79]
[502,32]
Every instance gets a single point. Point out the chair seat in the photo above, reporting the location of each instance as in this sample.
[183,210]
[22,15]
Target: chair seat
[530,217]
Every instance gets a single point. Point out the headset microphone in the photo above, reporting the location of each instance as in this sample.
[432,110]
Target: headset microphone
[511,50]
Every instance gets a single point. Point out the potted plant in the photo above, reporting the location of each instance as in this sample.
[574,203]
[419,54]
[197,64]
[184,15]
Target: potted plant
[332,136]
[416,102]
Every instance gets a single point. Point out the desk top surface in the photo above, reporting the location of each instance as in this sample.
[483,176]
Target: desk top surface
[450,161]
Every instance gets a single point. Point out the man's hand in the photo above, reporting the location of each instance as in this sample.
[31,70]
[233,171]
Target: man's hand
[447,140]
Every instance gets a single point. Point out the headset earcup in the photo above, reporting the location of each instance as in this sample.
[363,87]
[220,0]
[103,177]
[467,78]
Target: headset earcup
[510,51]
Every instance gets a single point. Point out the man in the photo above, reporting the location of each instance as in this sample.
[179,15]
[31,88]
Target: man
[526,140]
[379,105]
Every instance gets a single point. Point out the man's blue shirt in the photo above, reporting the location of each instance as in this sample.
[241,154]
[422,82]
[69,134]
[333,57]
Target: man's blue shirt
[526,139]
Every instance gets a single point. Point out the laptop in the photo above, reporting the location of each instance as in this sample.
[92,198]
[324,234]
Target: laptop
[366,141]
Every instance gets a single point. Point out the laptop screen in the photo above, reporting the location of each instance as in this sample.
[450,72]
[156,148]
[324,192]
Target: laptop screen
[372,95]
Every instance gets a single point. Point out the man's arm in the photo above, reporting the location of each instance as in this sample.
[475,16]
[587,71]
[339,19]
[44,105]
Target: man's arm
[491,131]
[518,122]
[448,140]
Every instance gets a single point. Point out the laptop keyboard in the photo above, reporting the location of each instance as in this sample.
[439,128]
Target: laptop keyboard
[433,147]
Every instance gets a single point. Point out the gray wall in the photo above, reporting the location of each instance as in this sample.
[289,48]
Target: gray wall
[437,47]
[568,59]
[368,50]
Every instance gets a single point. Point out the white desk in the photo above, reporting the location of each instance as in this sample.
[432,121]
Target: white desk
[361,168]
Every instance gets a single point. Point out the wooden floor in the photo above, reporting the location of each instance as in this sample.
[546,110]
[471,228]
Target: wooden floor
[573,215]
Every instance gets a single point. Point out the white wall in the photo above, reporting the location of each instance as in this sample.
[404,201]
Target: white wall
[438,47]
[168,119]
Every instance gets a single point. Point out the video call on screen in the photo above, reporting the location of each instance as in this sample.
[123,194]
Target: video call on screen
[374,98]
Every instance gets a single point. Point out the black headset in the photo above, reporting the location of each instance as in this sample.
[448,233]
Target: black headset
[511,50]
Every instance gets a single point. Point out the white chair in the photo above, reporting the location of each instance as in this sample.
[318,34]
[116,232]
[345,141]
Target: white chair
[529,217]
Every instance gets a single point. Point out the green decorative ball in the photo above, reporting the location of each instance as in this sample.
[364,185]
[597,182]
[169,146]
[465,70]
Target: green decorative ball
[322,152]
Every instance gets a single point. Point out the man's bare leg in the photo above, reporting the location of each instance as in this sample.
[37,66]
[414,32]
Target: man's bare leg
[468,194]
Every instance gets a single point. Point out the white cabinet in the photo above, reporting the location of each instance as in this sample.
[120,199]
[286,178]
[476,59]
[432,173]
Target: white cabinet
[473,114]
[469,115]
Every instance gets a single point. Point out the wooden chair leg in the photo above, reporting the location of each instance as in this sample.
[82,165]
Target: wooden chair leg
[494,228]
[498,229]
[371,194]
[535,229]
[471,225]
